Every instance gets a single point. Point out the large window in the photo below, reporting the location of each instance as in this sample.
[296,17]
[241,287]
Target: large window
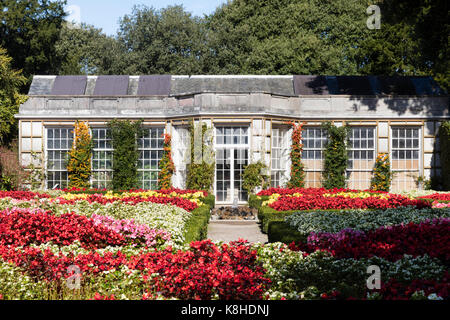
[59,142]
[314,140]
[150,153]
[102,157]
[405,154]
[361,154]
[232,155]
[277,164]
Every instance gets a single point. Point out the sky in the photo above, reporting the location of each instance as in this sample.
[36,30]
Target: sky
[105,14]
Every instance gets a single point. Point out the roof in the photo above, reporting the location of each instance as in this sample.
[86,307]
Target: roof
[168,85]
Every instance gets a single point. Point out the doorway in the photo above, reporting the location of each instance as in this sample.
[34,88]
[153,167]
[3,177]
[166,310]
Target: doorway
[232,155]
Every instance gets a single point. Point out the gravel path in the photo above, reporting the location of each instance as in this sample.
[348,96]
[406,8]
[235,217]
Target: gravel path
[228,230]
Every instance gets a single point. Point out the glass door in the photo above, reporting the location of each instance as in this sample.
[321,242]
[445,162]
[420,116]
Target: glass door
[231,158]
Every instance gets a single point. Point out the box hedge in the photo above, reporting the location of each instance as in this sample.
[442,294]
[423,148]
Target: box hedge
[196,227]
[280,231]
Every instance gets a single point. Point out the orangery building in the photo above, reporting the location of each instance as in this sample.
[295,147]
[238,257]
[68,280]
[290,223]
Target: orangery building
[249,118]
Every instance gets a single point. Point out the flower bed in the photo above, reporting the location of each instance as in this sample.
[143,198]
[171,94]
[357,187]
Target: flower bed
[437,196]
[391,243]
[129,248]
[319,198]
[362,220]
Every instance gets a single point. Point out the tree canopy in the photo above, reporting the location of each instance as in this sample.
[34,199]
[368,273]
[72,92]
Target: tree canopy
[10,97]
[28,31]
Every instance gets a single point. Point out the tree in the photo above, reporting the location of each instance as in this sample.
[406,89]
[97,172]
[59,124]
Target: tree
[162,41]
[86,50]
[28,31]
[412,40]
[286,37]
[10,98]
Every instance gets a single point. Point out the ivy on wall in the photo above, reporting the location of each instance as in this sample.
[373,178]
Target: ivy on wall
[124,134]
[297,169]
[79,164]
[381,174]
[444,140]
[335,156]
[200,173]
[166,165]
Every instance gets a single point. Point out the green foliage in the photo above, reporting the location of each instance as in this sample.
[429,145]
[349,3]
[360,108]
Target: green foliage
[196,228]
[200,173]
[412,40]
[280,231]
[209,200]
[166,165]
[169,40]
[297,171]
[79,164]
[335,156]
[124,135]
[286,37]
[255,201]
[381,174]
[28,31]
[268,214]
[12,174]
[444,140]
[10,98]
[254,177]
[333,221]
[82,51]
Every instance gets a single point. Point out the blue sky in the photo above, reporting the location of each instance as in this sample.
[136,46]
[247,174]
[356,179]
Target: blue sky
[105,14]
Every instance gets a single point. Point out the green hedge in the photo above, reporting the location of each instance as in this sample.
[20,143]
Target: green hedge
[280,231]
[444,140]
[196,227]
[254,202]
[267,214]
[209,200]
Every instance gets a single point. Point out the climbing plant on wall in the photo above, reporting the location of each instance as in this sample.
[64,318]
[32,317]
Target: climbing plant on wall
[335,156]
[124,134]
[79,164]
[166,165]
[297,170]
[381,174]
[200,173]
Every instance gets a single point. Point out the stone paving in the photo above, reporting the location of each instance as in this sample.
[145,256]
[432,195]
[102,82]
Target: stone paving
[232,230]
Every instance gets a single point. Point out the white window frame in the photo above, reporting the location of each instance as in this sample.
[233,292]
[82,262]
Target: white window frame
[159,153]
[352,150]
[100,184]
[57,183]
[232,146]
[276,154]
[419,170]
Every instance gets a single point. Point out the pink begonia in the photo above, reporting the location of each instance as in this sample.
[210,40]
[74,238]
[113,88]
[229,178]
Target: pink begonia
[441,205]
[129,229]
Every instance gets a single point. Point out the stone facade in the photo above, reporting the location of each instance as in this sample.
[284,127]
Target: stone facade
[263,105]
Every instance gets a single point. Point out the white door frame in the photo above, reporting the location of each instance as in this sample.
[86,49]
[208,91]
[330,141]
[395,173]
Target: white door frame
[232,148]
